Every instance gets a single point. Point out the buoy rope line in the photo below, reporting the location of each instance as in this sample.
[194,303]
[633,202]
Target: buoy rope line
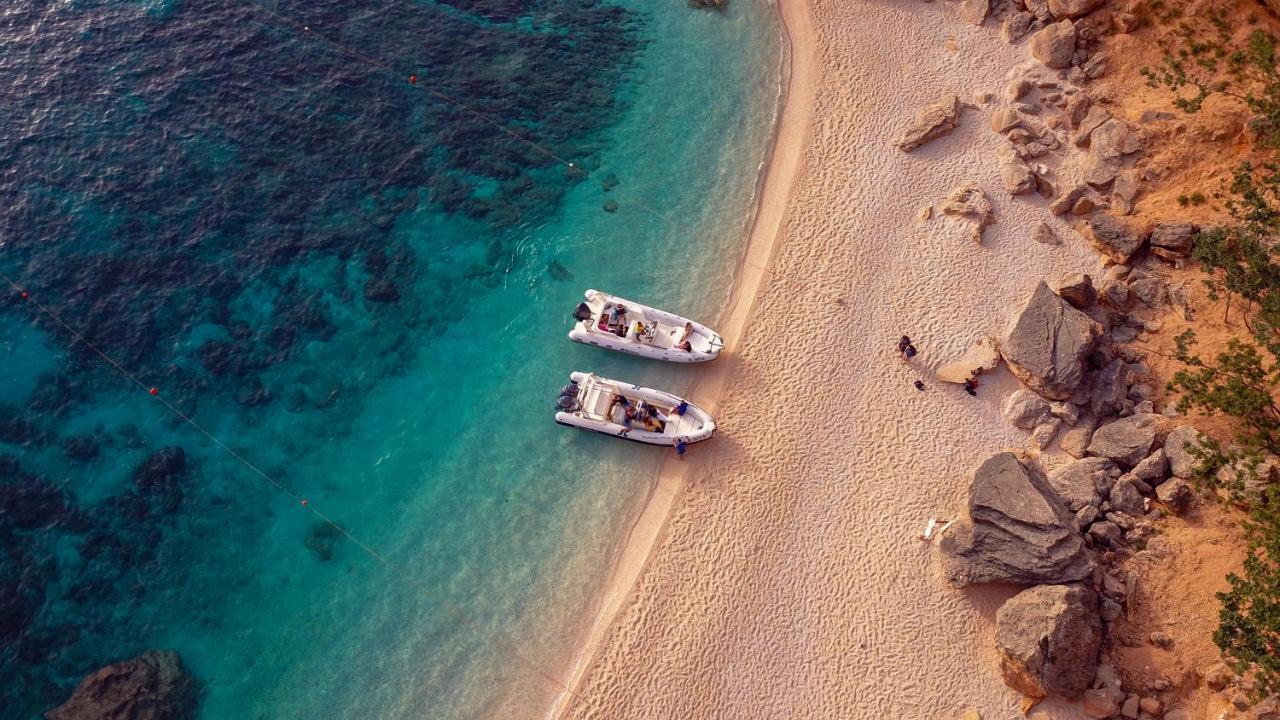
[378,557]
[572,167]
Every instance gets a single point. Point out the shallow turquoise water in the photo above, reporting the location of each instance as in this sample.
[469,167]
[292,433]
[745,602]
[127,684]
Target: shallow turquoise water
[429,437]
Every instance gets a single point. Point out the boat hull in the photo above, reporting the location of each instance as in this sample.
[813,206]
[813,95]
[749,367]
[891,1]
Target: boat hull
[695,425]
[706,343]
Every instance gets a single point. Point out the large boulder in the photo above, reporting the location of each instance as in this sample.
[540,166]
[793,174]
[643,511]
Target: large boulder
[1114,237]
[1018,530]
[152,686]
[932,122]
[1127,440]
[1112,140]
[1081,482]
[1126,497]
[1048,638]
[1073,8]
[1055,44]
[1177,450]
[1176,237]
[1046,344]
[1176,495]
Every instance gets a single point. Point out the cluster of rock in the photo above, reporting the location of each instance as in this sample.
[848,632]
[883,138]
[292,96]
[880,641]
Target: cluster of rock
[152,686]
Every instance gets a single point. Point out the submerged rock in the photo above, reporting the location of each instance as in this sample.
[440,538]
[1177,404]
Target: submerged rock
[1048,638]
[1047,342]
[1018,530]
[152,686]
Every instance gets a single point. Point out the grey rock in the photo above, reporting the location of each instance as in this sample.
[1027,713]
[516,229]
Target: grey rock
[1075,442]
[1073,8]
[1111,610]
[975,11]
[1130,707]
[1126,497]
[1066,201]
[1048,638]
[1077,482]
[1177,714]
[1177,449]
[1055,44]
[1114,139]
[1044,234]
[1044,433]
[1102,702]
[1125,192]
[1106,533]
[1176,237]
[1116,294]
[1093,119]
[932,122]
[1040,9]
[1114,237]
[1016,24]
[1161,640]
[1152,468]
[1076,288]
[1046,344]
[1025,409]
[1015,174]
[1151,290]
[1127,440]
[1086,516]
[969,202]
[1018,530]
[1176,495]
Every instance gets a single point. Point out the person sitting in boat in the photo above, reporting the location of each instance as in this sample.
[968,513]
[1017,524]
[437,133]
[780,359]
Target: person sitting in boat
[618,319]
[653,420]
[618,400]
[683,343]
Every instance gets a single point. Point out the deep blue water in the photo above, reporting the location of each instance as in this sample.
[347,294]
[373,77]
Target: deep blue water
[361,287]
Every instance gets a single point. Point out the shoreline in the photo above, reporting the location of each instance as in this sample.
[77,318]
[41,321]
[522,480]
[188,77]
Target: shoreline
[779,173]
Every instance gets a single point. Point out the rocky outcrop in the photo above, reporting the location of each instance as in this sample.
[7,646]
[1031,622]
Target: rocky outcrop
[1127,440]
[1055,45]
[1083,482]
[1077,289]
[1177,450]
[1073,8]
[1018,530]
[1118,239]
[1048,638]
[1176,495]
[969,203]
[1047,342]
[152,686]
[932,122]
[1025,409]
[1177,238]
[975,11]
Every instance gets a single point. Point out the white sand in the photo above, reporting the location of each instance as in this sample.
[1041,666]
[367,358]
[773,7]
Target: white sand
[777,573]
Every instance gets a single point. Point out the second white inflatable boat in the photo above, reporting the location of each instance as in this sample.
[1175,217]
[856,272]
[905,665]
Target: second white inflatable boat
[639,414]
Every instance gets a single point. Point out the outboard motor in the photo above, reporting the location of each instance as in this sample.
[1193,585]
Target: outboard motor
[568,403]
[582,312]
[571,390]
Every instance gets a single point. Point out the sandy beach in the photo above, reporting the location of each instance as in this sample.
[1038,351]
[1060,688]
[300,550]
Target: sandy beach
[777,573]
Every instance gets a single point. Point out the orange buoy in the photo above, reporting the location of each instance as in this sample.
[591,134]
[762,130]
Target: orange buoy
[413,79]
[304,502]
[154,391]
[25,295]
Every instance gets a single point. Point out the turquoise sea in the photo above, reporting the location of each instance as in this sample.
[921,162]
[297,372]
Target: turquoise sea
[362,285]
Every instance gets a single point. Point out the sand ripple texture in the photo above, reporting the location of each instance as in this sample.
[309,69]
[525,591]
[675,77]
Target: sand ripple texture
[789,582]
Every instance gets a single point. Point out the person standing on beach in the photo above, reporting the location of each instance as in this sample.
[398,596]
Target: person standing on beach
[681,444]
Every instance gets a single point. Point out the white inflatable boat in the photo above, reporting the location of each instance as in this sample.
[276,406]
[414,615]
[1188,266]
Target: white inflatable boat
[601,405]
[617,324]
